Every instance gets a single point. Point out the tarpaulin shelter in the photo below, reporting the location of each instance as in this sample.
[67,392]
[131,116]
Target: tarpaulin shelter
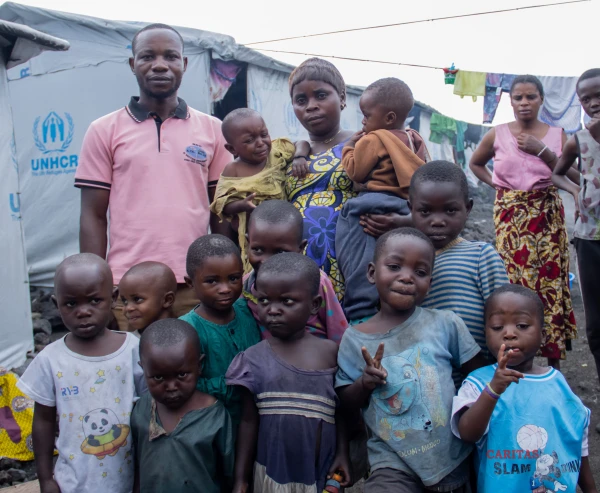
[18,44]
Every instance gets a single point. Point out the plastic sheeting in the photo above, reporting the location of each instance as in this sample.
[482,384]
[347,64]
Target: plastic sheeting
[268,93]
[16,335]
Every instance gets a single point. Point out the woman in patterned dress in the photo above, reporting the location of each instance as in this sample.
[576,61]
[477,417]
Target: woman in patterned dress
[320,187]
[531,236]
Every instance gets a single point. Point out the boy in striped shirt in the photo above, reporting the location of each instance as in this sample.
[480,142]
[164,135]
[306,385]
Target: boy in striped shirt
[465,272]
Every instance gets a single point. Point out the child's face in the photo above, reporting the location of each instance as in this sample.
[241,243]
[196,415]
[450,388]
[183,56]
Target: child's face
[171,372]
[513,320]
[439,211]
[84,297]
[588,91]
[402,272]
[285,304]
[375,115]
[144,300]
[251,141]
[218,282]
[266,240]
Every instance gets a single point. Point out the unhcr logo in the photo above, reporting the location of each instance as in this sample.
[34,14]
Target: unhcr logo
[53,135]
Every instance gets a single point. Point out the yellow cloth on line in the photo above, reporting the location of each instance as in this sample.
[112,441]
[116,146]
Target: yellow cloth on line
[470,84]
[269,184]
[16,419]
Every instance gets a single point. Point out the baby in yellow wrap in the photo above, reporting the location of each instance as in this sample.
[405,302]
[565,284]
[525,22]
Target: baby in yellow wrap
[256,174]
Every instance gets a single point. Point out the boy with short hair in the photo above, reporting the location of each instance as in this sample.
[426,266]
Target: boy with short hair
[88,382]
[465,272]
[256,174]
[585,145]
[380,159]
[532,436]
[182,437]
[147,292]
[276,227]
[222,320]
[405,390]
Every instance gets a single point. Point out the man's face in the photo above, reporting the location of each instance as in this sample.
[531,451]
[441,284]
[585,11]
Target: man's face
[158,63]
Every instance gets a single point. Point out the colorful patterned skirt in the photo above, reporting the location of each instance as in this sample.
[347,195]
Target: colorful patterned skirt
[532,240]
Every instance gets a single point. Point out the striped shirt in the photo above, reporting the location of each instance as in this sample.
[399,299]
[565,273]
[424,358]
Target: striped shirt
[464,275]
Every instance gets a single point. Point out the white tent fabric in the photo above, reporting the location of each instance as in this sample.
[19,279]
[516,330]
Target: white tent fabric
[16,336]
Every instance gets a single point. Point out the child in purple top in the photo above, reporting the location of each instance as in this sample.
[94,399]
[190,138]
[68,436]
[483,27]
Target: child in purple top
[276,226]
[289,405]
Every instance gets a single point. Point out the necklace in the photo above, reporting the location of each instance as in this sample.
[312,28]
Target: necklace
[327,141]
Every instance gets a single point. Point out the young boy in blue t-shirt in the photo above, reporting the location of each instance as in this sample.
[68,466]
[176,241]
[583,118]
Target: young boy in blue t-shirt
[405,390]
[532,436]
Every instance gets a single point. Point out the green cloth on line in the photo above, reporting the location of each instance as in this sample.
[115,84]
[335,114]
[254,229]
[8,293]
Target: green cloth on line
[220,344]
[441,125]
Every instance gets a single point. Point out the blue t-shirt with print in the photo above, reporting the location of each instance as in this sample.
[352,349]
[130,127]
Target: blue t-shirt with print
[409,417]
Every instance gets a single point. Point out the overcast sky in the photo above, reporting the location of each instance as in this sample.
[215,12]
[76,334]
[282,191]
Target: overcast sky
[542,41]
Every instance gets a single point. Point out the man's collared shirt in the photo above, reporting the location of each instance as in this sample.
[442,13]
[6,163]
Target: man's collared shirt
[158,173]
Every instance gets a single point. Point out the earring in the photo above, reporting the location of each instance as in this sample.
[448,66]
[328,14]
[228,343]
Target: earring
[343,105]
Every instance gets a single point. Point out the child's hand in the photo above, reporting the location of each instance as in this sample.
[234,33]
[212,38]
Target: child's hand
[529,144]
[246,205]
[240,488]
[504,376]
[49,486]
[594,128]
[373,374]
[356,137]
[341,465]
[300,167]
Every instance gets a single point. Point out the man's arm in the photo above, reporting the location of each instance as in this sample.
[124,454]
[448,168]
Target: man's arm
[216,226]
[44,431]
[93,222]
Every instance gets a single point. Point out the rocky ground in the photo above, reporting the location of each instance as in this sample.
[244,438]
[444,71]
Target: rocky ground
[579,367]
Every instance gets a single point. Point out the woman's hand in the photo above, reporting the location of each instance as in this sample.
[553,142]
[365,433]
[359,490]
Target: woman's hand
[529,144]
[300,167]
[378,224]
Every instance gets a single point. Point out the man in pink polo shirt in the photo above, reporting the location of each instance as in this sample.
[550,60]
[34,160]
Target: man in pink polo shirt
[154,166]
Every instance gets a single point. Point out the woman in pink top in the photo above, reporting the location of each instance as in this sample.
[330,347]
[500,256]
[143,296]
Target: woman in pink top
[531,236]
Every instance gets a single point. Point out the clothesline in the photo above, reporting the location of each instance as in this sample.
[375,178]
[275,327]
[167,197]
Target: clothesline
[458,16]
[561,107]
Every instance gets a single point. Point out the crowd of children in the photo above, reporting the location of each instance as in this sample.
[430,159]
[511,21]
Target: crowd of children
[258,388]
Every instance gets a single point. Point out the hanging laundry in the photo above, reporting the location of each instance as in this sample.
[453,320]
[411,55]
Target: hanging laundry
[441,125]
[561,106]
[450,75]
[495,85]
[222,76]
[461,128]
[414,118]
[470,84]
